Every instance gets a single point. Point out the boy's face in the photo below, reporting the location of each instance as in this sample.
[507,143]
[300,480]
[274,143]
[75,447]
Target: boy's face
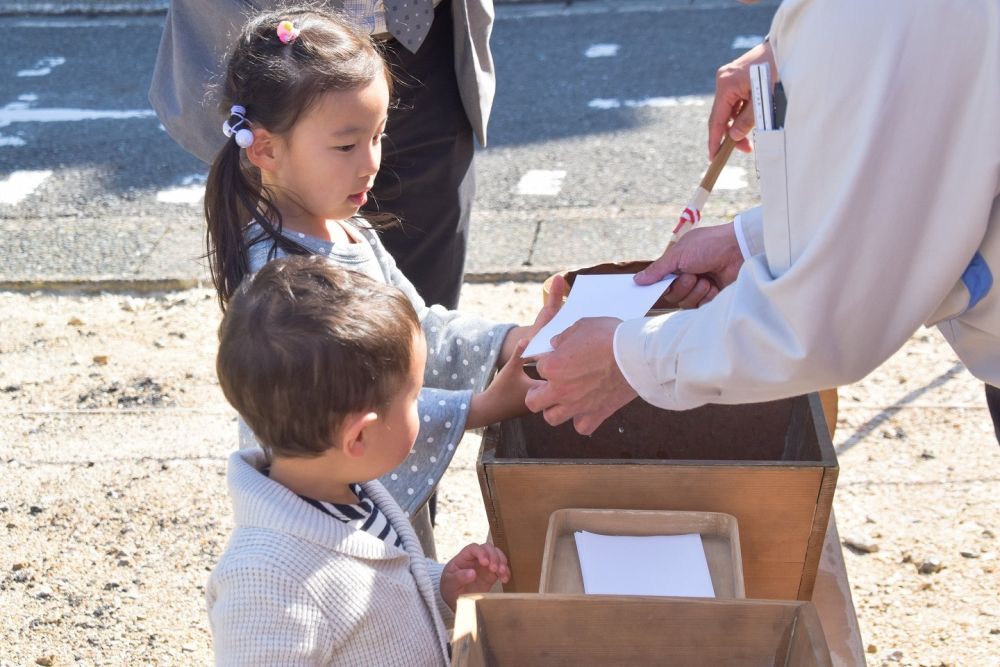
[390,439]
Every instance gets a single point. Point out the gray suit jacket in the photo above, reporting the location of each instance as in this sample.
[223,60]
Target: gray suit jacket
[198,35]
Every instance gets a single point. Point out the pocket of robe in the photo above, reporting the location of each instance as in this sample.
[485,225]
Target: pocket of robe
[769,149]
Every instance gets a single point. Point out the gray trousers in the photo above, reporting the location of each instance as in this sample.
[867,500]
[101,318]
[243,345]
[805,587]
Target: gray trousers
[427,177]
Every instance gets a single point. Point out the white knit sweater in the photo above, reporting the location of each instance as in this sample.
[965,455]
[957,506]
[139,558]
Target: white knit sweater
[297,587]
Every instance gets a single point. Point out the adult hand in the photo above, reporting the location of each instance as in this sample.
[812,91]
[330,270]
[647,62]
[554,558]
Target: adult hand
[706,259]
[689,290]
[582,381]
[732,92]
[474,570]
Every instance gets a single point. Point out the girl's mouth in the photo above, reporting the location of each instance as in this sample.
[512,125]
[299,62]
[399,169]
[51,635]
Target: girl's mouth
[359,199]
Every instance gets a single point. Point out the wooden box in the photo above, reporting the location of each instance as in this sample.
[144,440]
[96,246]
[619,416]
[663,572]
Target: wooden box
[828,397]
[512,630]
[719,536]
[770,465]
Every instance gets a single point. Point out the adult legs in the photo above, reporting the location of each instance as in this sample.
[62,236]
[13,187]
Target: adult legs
[993,401]
[427,176]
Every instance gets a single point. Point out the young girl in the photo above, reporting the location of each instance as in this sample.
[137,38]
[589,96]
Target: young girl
[307,97]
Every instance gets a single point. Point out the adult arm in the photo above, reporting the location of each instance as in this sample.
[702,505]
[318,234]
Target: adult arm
[883,216]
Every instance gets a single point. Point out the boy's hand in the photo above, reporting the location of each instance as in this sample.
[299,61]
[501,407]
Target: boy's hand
[504,397]
[474,570]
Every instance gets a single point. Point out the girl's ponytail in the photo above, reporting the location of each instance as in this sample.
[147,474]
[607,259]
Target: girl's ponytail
[231,198]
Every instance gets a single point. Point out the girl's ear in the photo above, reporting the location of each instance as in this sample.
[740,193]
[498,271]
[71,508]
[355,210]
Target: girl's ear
[265,151]
[352,436]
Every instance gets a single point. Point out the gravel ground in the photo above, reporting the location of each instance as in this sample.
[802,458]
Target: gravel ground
[112,456]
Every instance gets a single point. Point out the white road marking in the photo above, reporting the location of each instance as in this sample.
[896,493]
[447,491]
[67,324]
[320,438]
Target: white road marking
[602,50]
[43,66]
[11,141]
[20,184]
[731,178]
[747,41]
[659,102]
[682,101]
[86,22]
[190,191]
[19,113]
[543,182]
[604,103]
[191,194]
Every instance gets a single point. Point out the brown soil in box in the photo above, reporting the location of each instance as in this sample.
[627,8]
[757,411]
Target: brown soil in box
[776,431]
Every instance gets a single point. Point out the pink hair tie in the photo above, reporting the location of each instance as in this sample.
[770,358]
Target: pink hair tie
[287,32]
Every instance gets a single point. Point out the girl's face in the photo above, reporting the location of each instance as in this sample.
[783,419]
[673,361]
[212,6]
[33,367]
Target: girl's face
[324,167]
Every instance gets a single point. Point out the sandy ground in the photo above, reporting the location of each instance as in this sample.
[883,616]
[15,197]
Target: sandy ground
[112,500]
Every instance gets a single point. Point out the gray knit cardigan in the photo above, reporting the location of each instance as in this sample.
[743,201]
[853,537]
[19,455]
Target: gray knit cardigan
[297,587]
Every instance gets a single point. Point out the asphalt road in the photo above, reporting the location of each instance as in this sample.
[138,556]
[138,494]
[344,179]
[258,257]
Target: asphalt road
[596,141]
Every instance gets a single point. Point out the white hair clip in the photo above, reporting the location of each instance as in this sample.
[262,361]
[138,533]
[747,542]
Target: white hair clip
[244,135]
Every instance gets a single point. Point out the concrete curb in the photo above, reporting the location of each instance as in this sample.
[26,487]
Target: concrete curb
[97,286]
[148,286]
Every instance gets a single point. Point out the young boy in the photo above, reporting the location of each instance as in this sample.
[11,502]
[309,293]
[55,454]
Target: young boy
[323,568]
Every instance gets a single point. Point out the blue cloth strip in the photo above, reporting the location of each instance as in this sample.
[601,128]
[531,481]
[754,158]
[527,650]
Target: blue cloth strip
[978,280]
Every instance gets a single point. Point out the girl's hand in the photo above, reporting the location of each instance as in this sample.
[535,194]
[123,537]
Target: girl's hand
[504,397]
[474,570]
[557,292]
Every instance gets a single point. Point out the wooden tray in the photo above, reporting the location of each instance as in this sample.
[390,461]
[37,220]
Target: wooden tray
[719,535]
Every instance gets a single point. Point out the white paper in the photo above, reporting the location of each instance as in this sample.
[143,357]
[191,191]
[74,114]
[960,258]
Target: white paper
[673,565]
[604,295]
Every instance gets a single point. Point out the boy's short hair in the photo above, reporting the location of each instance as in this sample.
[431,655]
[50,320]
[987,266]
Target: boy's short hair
[305,343]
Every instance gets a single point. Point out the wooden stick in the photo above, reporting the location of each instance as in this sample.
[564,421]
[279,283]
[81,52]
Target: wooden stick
[718,162]
[691,215]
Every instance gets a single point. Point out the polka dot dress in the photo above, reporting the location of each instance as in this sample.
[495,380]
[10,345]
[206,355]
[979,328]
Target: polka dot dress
[443,414]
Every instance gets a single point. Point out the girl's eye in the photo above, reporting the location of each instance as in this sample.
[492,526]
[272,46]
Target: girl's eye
[344,149]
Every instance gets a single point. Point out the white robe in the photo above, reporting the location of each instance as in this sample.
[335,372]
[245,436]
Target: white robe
[880,211]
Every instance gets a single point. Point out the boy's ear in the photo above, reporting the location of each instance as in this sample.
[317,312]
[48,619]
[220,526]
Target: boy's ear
[352,433]
[265,150]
